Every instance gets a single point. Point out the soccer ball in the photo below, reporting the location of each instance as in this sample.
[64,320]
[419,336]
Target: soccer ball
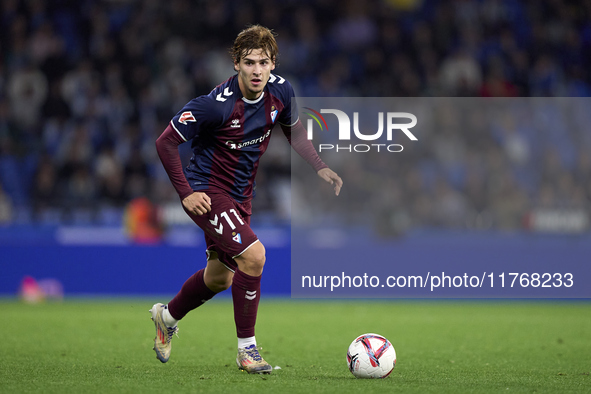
[371,356]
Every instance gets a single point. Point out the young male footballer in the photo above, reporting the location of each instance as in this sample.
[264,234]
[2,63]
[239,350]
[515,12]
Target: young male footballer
[229,130]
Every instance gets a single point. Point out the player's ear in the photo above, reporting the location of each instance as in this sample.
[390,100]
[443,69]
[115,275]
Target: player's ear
[273,66]
[236,68]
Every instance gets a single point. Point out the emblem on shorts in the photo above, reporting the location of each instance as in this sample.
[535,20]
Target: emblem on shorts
[214,222]
[236,237]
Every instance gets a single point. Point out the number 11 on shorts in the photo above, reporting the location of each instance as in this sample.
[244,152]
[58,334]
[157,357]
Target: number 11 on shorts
[227,217]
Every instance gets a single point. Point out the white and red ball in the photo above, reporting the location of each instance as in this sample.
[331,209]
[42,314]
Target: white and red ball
[371,356]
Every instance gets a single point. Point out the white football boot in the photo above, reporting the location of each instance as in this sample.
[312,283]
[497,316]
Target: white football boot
[250,360]
[162,342]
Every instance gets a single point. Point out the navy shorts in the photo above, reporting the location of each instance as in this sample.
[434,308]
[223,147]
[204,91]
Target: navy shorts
[226,228]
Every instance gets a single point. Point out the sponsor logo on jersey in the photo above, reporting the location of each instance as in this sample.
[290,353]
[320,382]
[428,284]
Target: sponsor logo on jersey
[187,116]
[240,145]
[235,123]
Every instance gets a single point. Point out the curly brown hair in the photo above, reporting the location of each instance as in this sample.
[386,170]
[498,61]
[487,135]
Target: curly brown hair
[254,37]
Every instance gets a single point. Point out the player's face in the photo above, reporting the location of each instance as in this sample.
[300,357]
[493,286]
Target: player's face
[254,70]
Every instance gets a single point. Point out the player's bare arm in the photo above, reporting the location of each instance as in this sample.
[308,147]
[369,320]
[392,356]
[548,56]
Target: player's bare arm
[197,203]
[331,177]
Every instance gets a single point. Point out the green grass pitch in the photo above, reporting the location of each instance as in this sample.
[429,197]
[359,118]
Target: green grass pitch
[92,346]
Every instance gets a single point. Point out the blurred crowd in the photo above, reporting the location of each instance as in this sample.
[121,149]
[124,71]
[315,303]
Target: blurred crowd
[499,163]
[86,87]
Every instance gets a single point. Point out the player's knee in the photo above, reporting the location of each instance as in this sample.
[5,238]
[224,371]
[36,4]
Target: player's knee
[217,277]
[220,283]
[252,260]
[256,261]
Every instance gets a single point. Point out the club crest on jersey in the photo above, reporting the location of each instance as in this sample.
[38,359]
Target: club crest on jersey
[236,237]
[185,117]
[273,114]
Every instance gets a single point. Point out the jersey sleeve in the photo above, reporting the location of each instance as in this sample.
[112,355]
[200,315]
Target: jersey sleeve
[289,100]
[296,135]
[196,116]
[167,148]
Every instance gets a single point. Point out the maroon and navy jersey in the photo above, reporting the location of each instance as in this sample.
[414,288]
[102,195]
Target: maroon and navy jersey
[230,133]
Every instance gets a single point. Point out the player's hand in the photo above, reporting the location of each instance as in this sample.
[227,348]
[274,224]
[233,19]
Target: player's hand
[197,203]
[331,177]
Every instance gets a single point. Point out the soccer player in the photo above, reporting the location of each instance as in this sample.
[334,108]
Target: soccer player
[229,130]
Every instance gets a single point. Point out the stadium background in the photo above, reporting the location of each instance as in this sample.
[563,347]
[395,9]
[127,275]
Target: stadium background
[87,86]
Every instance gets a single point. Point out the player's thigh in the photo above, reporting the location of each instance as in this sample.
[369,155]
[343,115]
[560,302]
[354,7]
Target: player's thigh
[217,276]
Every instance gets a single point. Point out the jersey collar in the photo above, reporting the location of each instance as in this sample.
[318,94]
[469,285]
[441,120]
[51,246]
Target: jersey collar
[247,101]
